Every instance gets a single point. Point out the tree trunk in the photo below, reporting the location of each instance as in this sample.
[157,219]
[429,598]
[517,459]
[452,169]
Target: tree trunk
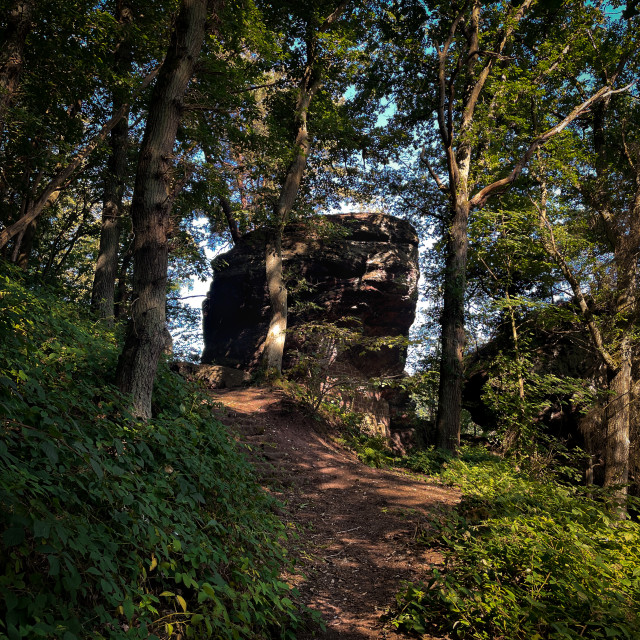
[12,54]
[310,84]
[624,234]
[24,245]
[232,223]
[151,205]
[618,422]
[274,343]
[453,333]
[103,290]
[621,384]
[122,294]
[458,154]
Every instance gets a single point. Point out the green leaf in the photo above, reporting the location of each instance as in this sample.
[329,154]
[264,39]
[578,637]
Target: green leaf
[41,529]
[50,451]
[128,608]
[13,536]
[209,590]
[97,467]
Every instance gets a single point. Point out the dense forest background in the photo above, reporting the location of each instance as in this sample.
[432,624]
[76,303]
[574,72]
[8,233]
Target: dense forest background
[133,136]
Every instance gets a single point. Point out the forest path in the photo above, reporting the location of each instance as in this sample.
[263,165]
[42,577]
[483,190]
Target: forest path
[357,525]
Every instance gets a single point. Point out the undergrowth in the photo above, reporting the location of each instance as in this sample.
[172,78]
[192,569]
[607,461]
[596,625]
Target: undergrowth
[372,450]
[112,528]
[525,559]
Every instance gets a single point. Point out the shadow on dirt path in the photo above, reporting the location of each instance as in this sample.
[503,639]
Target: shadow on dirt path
[357,525]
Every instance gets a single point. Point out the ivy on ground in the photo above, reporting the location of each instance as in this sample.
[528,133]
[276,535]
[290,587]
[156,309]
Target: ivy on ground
[112,528]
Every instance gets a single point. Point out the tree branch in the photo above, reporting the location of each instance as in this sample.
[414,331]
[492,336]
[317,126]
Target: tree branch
[550,246]
[472,102]
[501,185]
[56,184]
[441,186]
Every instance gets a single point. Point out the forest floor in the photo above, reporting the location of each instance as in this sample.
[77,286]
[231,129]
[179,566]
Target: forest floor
[357,526]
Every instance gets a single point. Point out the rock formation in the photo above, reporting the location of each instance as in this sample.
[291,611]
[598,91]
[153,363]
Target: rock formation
[558,345]
[362,266]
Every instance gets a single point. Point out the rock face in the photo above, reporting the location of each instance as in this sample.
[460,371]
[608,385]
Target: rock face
[362,265]
[562,349]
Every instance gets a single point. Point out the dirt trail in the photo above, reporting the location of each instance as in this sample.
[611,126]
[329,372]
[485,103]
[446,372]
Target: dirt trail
[357,524]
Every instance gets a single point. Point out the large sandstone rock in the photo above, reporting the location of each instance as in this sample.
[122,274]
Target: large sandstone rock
[363,266]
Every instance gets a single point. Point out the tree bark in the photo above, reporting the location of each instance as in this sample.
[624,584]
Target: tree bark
[618,413]
[232,223]
[616,471]
[121,294]
[276,336]
[103,290]
[309,85]
[12,57]
[623,231]
[453,331]
[274,342]
[150,209]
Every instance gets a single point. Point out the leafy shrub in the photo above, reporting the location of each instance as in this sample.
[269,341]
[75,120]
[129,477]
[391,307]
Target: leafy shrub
[317,367]
[115,528]
[372,450]
[432,461]
[527,559]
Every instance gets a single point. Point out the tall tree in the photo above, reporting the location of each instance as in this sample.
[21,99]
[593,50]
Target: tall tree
[315,20]
[609,194]
[154,192]
[477,66]
[103,290]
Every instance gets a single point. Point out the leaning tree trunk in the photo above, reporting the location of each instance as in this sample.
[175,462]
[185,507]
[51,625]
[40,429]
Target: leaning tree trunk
[276,334]
[310,84]
[150,209]
[274,344]
[453,333]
